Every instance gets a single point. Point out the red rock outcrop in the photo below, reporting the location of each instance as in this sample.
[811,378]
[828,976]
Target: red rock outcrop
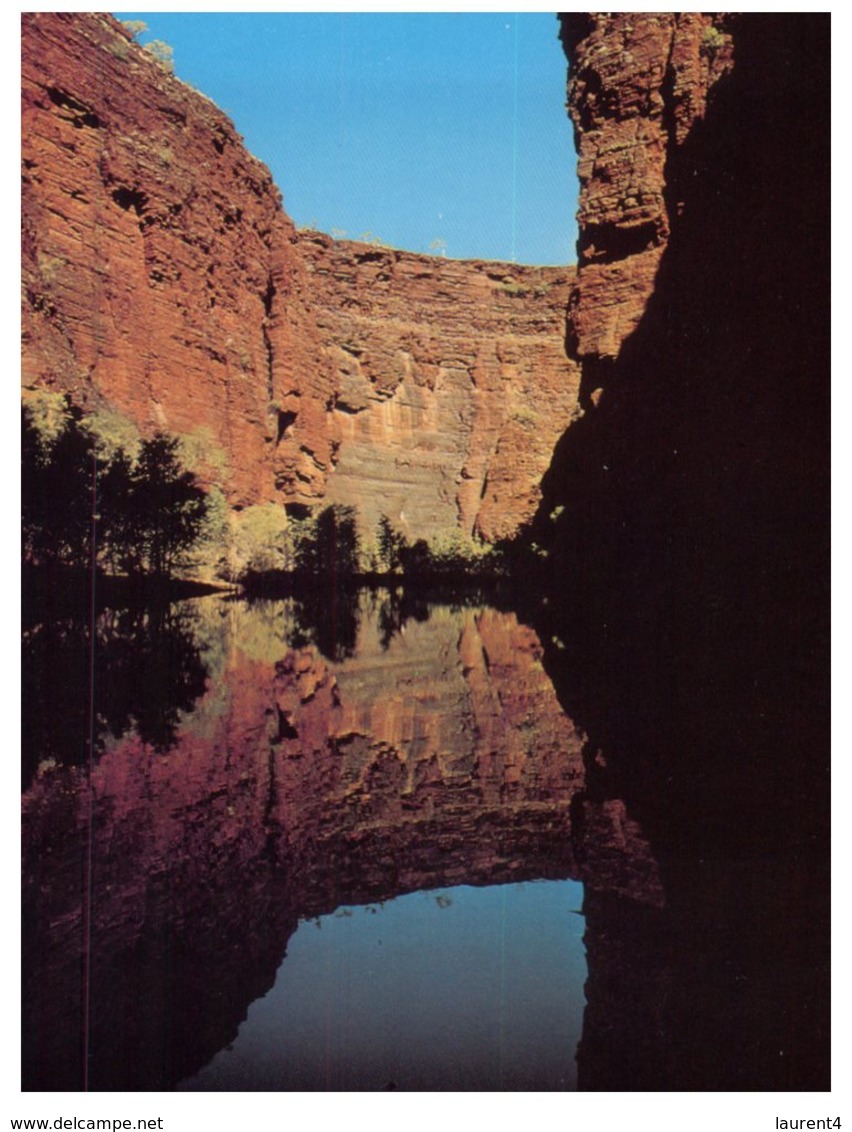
[453,385]
[638,83]
[159,272]
[163,279]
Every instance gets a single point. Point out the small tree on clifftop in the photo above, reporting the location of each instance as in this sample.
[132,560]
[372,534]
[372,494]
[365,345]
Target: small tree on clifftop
[163,53]
[135,27]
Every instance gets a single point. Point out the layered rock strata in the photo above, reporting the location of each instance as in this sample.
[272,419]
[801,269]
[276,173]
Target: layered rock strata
[163,280]
[159,274]
[638,83]
[453,385]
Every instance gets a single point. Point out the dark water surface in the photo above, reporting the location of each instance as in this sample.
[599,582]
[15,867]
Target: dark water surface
[304,849]
[359,844]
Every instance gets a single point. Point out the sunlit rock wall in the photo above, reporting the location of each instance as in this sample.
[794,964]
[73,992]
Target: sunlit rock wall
[453,384]
[163,280]
[159,276]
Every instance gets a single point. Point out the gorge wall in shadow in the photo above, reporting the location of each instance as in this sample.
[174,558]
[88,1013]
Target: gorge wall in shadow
[692,639]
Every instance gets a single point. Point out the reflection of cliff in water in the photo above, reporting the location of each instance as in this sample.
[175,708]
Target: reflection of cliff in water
[436,755]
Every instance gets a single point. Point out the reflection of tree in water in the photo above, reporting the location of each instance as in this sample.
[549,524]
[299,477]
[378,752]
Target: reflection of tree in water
[327,619]
[330,619]
[144,671]
[152,673]
[395,608]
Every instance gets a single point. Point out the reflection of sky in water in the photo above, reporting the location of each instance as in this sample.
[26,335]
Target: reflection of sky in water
[460,988]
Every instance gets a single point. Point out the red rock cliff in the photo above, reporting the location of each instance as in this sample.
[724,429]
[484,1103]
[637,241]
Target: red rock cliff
[163,279]
[638,82]
[158,266]
[453,385]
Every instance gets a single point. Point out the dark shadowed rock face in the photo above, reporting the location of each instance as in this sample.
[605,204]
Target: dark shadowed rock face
[695,492]
[695,521]
[638,84]
[162,279]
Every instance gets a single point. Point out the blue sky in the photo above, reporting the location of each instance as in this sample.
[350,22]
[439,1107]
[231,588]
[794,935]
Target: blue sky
[412,127]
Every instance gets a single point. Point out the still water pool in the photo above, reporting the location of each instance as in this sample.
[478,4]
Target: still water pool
[459,988]
[272,847]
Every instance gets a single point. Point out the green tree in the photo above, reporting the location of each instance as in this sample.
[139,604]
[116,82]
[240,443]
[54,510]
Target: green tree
[257,540]
[85,503]
[337,541]
[135,27]
[34,487]
[331,546]
[167,508]
[417,559]
[116,521]
[391,545]
[59,476]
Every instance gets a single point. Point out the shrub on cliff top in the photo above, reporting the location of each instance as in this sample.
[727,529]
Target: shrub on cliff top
[135,27]
[163,53]
[516,290]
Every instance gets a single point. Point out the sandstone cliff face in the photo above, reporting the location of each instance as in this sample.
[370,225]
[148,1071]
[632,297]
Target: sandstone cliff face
[163,279]
[453,385]
[638,82]
[159,274]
